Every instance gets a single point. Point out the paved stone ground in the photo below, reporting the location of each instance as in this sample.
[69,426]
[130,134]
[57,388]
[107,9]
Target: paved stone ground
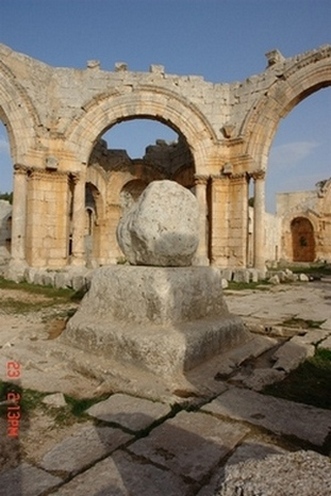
[156,441]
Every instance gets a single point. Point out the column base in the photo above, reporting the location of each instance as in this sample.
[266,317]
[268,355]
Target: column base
[15,270]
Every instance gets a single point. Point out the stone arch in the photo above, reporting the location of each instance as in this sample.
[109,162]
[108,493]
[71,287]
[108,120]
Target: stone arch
[146,102]
[18,115]
[305,76]
[303,240]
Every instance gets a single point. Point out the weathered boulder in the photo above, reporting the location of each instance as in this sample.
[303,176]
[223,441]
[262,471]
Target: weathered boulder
[162,228]
[303,473]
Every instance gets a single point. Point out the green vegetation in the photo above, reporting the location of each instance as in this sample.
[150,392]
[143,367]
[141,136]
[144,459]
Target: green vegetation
[31,401]
[238,286]
[49,297]
[302,323]
[318,269]
[309,383]
[7,197]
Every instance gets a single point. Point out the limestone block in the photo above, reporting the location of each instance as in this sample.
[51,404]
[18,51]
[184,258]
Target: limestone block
[56,400]
[153,295]
[291,354]
[302,472]
[275,414]
[130,412]
[241,275]
[121,474]
[87,445]
[27,480]
[167,320]
[192,443]
[162,228]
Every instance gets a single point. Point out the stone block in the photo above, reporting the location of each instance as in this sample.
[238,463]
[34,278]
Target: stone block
[27,480]
[280,416]
[162,227]
[89,444]
[303,473]
[48,279]
[289,356]
[190,444]
[167,320]
[61,280]
[130,412]
[122,475]
[241,275]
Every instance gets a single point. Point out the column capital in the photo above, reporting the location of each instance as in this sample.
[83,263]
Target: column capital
[201,179]
[259,174]
[21,169]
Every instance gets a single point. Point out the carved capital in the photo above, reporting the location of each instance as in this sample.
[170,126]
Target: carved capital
[21,169]
[260,174]
[201,179]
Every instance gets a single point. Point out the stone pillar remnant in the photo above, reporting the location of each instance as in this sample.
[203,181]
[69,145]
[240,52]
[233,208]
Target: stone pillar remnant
[259,227]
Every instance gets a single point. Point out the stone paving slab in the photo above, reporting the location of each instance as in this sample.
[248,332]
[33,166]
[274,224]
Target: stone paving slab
[190,444]
[275,414]
[128,411]
[26,480]
[325,344]
[88,445]
[289,356]
[121,475]
[279,304]
[259,378]
[327,324]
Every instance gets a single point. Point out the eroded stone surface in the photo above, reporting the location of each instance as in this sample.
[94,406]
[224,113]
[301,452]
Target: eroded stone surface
[122,475]
[88,445]
[164,319]
[277,415]
[190,444]
[251,448]
[130,412]
[289,356]
[26,480]
[162,228]
[303,473]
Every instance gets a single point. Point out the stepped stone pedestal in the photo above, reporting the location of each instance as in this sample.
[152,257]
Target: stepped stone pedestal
[162,319]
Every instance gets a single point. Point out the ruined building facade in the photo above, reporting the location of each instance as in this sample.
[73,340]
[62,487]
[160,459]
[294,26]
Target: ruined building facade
[70,190]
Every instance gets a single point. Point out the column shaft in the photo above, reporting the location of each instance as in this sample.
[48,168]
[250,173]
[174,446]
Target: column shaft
[19,215]
[78,221]
[201,195]
[259,225]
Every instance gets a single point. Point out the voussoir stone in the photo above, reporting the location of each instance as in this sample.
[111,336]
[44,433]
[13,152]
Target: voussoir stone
[162,227]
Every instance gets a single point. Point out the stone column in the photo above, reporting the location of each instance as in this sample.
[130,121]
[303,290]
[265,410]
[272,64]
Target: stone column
[78,221]
[201,257]
[19,215]
[259,225]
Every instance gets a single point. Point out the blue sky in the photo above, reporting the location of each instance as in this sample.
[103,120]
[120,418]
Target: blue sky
[222,40]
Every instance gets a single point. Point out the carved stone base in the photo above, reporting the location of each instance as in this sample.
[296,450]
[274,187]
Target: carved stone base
[166,320]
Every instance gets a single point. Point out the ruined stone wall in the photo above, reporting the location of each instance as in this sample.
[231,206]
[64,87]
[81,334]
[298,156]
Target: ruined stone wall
[55,116]
[314,207]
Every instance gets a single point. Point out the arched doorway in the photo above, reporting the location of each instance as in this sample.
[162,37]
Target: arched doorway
[303,240]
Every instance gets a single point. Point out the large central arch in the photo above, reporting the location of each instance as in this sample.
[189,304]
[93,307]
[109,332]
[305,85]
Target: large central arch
[143,102]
